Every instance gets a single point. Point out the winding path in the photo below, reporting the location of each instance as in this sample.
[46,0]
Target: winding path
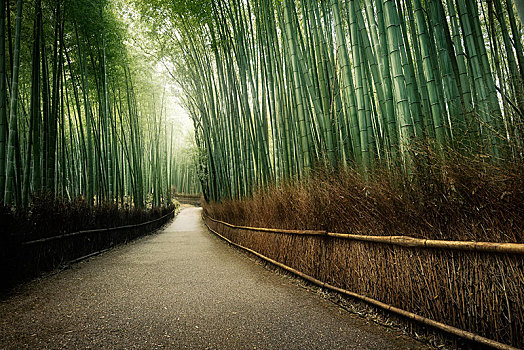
[180,289]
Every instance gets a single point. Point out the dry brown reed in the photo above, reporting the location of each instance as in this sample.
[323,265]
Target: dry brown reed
[454,198]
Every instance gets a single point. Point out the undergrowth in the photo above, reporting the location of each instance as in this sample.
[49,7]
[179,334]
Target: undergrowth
[456,197]
[48,217]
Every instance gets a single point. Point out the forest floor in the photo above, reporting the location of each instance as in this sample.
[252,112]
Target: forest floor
[181,288]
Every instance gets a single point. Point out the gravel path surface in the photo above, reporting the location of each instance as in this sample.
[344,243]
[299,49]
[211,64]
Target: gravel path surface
[180,289]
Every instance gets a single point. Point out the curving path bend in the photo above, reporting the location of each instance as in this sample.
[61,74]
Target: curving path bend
[180,289]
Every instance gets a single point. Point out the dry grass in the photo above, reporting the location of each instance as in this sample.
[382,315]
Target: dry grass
[461,198]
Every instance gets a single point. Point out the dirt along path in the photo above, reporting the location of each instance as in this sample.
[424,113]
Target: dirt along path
[183,288]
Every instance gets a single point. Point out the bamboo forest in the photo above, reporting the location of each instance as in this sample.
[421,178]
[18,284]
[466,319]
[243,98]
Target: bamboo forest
[371,149]
[278,87]
[79,115]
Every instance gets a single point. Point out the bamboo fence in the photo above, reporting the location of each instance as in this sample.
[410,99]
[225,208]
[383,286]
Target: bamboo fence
[101,230]
[22,260]
[403,241]
[311,248]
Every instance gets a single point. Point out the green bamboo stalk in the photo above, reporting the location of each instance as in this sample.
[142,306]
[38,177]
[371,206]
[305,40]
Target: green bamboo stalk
[3,99]
[10,171]
[427,64]
[360,91]
[380,38]
[392,24]
[347,84]
[34,131]
[305,157]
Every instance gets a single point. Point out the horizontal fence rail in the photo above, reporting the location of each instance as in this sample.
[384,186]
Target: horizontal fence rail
[100,230]
[403,241]
[187,195]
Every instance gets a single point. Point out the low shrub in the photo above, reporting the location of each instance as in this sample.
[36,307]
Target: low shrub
[49,217]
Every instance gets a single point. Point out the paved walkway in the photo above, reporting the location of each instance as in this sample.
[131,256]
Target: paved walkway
[181,289]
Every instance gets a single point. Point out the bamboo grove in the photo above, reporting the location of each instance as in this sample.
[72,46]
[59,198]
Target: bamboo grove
[78,116]
[278,87]
[185,178]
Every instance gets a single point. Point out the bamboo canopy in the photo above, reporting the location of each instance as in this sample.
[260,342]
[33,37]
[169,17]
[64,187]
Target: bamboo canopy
[80,116]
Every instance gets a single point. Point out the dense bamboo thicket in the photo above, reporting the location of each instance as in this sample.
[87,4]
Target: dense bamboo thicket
[79,114]
[185,176]
[184,167]
[278,87]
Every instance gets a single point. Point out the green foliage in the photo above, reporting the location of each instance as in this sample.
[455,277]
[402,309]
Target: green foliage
[196,11]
